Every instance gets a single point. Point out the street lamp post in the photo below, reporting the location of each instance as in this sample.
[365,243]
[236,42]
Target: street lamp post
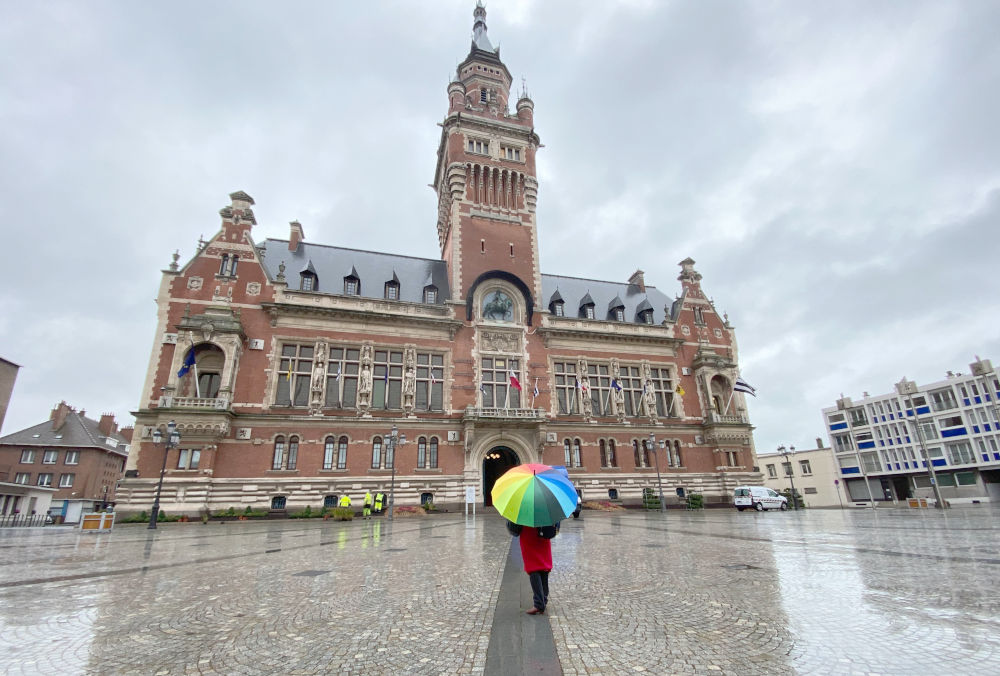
[656,459]
[791,471]
[908,388]
[171,440]
[392,440]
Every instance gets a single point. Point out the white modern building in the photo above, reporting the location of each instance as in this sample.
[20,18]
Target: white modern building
[813,471]
[882,443]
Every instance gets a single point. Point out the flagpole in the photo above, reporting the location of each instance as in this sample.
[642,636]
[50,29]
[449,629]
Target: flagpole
[197,386]
[731,395]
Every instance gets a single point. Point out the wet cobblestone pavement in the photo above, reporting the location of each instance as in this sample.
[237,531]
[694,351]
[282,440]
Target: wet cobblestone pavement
[825,592]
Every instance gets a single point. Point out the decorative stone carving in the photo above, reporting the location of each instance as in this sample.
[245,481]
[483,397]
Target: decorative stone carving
[194,283]
[409,379]
[586,405]
[617,393]
[318,381]
[499,341]
[253,288]
[649,393]
[365,381]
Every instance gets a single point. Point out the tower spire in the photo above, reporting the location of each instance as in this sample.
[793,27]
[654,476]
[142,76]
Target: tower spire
[479,38]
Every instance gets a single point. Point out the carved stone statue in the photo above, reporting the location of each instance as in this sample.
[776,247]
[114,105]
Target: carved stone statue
[318,381]
[619,397]
[409,382]
[365,388]
[649,398]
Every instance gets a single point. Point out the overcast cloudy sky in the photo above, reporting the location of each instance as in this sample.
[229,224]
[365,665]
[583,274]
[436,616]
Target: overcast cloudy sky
[833,168]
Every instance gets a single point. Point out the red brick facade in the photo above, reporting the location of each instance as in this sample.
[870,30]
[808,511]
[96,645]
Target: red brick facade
[268,339]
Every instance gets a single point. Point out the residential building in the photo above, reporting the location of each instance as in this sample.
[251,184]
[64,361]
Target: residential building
[285,363]
[812,470]
[882,442]
[80,458]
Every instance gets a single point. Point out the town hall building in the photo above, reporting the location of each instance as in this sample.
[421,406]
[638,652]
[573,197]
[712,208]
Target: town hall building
[285,363]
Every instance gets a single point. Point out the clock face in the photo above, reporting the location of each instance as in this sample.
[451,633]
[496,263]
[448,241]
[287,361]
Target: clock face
[498,307]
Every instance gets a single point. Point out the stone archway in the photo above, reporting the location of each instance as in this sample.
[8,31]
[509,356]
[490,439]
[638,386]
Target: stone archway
[496,461]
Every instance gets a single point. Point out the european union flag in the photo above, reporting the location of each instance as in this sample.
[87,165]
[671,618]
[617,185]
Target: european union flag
[188,364]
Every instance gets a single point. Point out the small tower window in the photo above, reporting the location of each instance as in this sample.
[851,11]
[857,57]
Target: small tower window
[224,268]
[482,95]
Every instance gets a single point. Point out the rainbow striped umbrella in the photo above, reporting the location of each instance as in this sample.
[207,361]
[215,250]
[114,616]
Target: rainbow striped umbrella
[534,495]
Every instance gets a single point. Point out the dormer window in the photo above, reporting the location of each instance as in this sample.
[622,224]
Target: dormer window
[559,309]
[308,281]
[588,311]
[646,316]
[392,291]
[352,286]
[430,294]
[479,147]
[619,315]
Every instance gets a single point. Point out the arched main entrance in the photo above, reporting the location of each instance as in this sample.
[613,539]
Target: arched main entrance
[497,460]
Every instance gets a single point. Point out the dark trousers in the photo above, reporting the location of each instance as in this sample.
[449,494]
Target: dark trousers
[539,588]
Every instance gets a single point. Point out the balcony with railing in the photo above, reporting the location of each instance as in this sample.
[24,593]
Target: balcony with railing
[718,418]
[526,414]
[203,403]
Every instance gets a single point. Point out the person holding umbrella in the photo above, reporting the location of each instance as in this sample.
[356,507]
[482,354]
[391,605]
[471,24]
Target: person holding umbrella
[535,498]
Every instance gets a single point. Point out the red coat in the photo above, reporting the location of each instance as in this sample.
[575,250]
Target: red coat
[536,551]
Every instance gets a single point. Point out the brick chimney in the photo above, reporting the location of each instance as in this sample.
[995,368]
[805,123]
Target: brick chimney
[295,236]
[819,443]
[127,432]
[58,416]
[107,425]
[638,279]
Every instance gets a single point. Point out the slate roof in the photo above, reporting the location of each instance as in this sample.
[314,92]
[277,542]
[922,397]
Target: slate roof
[573,290]
[331,264]
[77,432]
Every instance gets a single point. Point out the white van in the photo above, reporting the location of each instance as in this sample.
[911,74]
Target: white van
[758,497]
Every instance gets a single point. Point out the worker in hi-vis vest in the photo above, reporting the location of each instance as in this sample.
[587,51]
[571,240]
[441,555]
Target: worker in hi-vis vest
[345,500]
[367,506]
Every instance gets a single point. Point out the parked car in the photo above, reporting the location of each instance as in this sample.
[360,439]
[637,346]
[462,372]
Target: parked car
[760,498]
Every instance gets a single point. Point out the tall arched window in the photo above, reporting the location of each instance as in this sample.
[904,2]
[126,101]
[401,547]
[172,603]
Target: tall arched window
[635,451]
[328,447]
[224,267]
[342,453]
[576,453]
[390,455]
[432,458]
[421,452]
[604,453]
[645,453]
[566,458]
[279,452]
[377,453]
[677,454]
[293,453]
[612,455]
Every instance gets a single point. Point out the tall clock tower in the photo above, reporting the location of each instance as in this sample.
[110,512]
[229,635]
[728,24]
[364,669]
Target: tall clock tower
[485,177]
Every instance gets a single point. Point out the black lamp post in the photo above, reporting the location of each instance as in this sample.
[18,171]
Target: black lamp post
[656,459]
[172,439]
[791,471]
[392,440]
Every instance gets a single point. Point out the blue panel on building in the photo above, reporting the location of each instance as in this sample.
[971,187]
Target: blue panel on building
[957,432]
[906,465]
[924,409]
[839,426]
[907,439]
[996,456]
[883,418]
[850,470]
[939,462]
[897,465]
[866,444]
[975,429]
[909,412]
[979,400]
[965,401]
[881,443]
[987,426]
[986,457]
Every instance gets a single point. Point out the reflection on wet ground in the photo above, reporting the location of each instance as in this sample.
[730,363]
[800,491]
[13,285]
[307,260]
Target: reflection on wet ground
[883,591]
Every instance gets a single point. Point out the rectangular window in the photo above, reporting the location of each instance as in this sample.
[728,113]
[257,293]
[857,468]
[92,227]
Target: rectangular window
[599,377]
[927,431]
[23,478]
[842,442]
[351,287]
[786,467]
[870,461]
[950,421]
[387,380]
[66,480]
[429,395]
[432,458]
[50,457]
[307,282]
[391,292]
[478,146]
[589,312]
[810,490]
[294,372]
[836,417]
[495,382]
[376,453]
[805,467]
[72,457]
[960,453]
[965,478]
[342,377]
[342,454]
[188,458]
[560,312]
[663,389]
[772,472]
[630,379]
[566,388]
[27,456]
[943,399]
[858,416]
[430,296]
[330,446]
[44,480]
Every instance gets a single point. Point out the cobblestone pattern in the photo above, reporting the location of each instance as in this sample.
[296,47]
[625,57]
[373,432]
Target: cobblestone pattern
[825,592]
